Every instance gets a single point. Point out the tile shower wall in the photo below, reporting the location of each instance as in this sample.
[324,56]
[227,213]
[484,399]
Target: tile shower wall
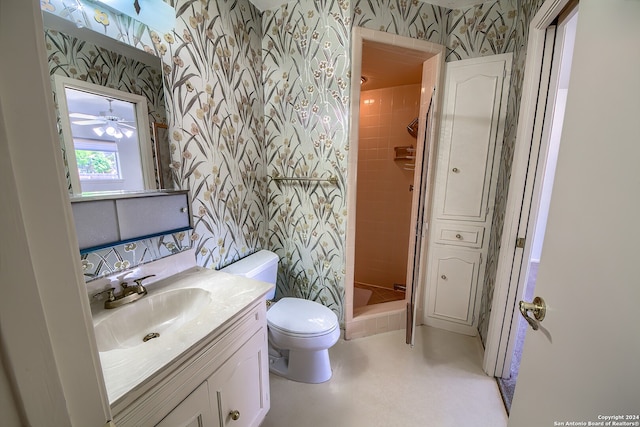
[383,213]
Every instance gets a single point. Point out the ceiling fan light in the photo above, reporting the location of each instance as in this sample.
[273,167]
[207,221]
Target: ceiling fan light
[111,130]
[98,131]
[117,134]
[127,132]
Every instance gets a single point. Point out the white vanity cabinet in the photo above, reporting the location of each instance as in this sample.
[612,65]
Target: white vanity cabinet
[469,149]
[194,411]
[224,381]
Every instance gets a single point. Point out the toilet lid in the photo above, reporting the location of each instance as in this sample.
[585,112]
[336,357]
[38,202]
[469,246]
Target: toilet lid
[301,317]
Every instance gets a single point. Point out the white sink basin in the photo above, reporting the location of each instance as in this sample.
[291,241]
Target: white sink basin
[162,314]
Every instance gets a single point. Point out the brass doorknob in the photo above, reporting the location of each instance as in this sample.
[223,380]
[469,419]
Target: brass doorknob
[537,307]
[235,415]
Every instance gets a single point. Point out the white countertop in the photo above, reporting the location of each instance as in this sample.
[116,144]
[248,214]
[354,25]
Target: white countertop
[125,369]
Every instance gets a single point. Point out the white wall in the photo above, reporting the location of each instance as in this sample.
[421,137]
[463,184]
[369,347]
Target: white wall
[47,338]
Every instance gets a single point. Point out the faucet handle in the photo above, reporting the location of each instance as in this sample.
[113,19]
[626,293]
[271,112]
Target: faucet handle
[141,289]
[139,281]
[108,292]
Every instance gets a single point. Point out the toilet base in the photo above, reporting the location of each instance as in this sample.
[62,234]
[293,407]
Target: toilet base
[303,366]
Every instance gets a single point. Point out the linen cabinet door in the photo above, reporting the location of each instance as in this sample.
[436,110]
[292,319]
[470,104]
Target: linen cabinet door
[240,388]
[194,411]
[471,137]
[452,288]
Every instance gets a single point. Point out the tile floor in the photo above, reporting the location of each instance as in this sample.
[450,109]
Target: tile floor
[380,381]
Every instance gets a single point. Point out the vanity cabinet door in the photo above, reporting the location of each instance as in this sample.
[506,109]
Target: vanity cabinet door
[240,388]
[194,411]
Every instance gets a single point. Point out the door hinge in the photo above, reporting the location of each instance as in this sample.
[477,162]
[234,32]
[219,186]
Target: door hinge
[520,241]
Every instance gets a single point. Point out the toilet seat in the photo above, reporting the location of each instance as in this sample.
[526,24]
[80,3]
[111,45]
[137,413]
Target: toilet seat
[301,318]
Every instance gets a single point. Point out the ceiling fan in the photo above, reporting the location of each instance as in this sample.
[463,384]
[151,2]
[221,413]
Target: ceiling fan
[109,123]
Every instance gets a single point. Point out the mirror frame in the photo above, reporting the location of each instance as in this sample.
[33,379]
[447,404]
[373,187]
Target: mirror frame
[142,119]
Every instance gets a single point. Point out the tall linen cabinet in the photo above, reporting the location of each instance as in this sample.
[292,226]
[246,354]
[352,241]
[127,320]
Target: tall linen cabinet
[469,149]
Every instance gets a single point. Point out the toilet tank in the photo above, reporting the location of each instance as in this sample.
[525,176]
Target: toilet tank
[262,265]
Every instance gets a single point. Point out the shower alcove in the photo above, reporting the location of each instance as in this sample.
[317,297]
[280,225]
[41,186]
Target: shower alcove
[385,170]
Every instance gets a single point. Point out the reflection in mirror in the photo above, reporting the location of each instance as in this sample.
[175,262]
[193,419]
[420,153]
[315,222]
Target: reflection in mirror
[106,138]
[85,56]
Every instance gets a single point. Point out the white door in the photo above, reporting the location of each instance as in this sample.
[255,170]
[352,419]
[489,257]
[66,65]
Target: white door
[422,181]
[583,364]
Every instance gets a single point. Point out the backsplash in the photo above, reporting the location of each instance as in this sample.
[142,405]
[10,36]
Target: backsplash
[118,258]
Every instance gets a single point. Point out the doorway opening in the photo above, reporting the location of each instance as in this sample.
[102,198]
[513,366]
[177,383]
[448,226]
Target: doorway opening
[388,130]
[540,190]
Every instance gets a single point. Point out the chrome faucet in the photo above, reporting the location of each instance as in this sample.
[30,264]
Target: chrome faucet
[127,295]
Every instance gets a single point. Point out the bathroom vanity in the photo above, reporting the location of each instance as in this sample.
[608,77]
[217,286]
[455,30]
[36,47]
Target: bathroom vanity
[208,364]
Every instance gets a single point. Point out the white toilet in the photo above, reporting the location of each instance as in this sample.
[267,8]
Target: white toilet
[300,331]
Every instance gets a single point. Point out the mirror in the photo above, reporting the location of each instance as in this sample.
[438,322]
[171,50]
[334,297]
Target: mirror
[105,136]
[94,78]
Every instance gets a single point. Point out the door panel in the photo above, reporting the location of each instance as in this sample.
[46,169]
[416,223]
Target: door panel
[587,348]
[474,92]
[455,275]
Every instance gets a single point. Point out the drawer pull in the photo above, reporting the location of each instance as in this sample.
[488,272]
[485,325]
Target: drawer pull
[443,277]
[184,210]
[459,236]
[235,415]
[455,170]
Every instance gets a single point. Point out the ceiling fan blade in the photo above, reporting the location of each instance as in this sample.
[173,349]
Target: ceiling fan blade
[126,126]
[88,122]
[82,116]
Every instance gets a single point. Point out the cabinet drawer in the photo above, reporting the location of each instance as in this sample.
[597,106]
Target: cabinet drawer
[460,235]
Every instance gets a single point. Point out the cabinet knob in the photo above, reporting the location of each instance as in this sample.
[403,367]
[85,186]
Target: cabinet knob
[443,277]
[459,236]
[455,170]
[183,210]
[235,415]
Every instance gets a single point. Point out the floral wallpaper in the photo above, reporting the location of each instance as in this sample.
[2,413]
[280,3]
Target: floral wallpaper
[408,18]
[306,86]
[86,14]
[212,66]
[485,29]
